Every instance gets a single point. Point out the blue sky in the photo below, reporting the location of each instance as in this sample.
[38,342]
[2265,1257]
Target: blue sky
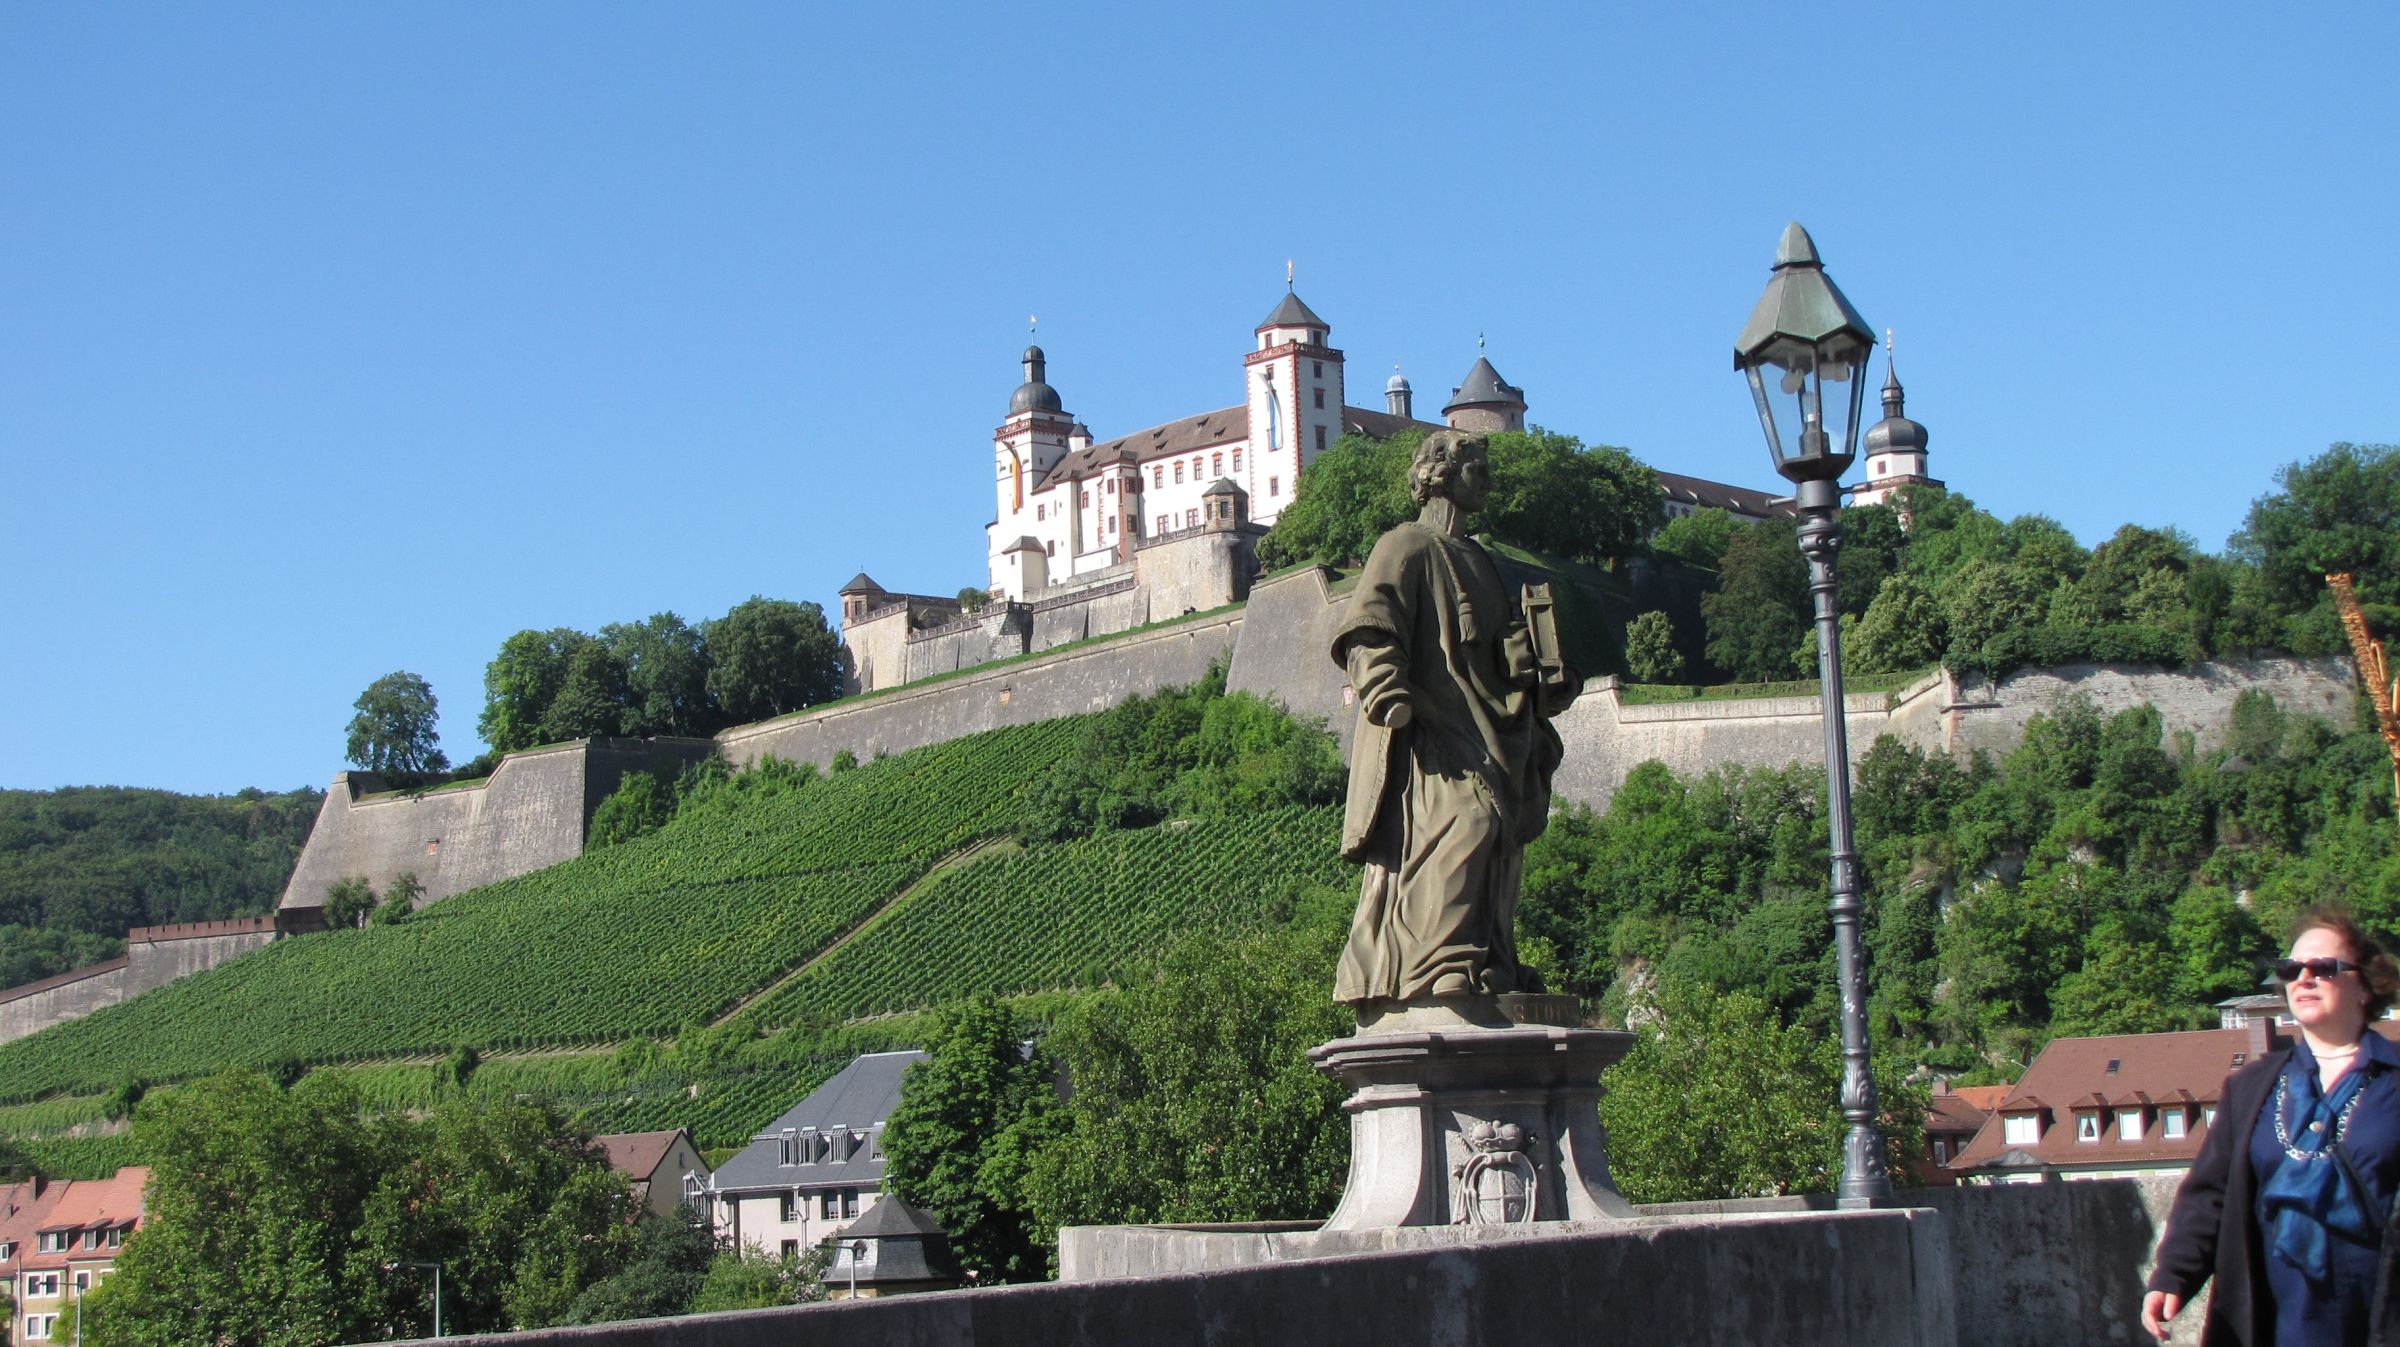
[342,339]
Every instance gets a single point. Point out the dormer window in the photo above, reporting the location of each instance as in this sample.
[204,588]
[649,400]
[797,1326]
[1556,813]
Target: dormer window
[2171,1124]
[2087,1125]
[2129,1124]
[2021,1129]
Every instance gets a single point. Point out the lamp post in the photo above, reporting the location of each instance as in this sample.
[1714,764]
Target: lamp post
[1805,349]
[858,1250]
[437,1289]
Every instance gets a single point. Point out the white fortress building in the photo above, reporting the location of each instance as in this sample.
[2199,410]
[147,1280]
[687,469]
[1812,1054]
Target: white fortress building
[1090,537]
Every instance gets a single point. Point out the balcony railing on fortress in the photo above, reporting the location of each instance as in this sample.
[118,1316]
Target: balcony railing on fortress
[1085,595]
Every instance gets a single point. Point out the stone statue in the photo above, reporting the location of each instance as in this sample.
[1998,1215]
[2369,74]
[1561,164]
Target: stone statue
[1450,767]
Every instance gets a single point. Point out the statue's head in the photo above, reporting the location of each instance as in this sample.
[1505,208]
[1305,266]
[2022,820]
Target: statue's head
[1454,465]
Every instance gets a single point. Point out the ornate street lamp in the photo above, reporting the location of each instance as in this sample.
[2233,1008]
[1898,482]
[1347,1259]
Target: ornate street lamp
[1805,351]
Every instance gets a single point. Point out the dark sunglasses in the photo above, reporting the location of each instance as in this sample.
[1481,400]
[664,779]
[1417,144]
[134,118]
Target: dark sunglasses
[2288,970]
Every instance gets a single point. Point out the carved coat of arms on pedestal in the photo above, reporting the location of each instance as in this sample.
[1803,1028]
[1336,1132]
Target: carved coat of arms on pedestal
[1498,1182]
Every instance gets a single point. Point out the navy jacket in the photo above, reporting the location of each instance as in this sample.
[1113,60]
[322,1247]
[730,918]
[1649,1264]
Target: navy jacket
[2211,1236]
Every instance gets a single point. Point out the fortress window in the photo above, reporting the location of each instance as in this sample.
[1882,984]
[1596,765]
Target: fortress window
[1320,439]
[1083,499]
[1179,472]
[1320,398]
[1158,476]
[1237,460]
[1162,523]
[1317,367]
[1216,465]
[1041,512]
[1274,486]
[1191,519]
[1112,486]
[1050,549]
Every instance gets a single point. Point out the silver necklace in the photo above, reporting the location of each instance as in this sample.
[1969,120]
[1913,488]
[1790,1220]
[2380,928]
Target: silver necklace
[2283,1134]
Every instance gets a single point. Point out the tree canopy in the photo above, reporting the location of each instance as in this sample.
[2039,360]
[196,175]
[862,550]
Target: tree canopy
[1550,493]
[394,730]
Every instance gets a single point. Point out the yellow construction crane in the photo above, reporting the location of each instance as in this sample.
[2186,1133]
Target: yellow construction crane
[2382,689]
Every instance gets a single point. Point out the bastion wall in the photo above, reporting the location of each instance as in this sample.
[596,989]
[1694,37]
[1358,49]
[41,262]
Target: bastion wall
[154,956]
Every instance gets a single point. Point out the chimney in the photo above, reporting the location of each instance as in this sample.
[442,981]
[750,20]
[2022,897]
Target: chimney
[2259,1037]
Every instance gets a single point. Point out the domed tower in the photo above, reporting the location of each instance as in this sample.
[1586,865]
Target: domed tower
[1294,392]
[1397,398]
[1032,439]
[1484,402]
[1894,447]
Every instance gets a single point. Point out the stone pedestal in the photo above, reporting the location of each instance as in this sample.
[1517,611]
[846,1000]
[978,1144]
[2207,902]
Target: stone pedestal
[1484,1112]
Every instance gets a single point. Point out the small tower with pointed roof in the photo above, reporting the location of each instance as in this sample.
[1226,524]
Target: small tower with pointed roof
[1894,447]
[1294,392]
[1484,402]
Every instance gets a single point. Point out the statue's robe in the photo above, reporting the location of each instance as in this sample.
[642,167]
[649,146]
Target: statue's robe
[1440,809]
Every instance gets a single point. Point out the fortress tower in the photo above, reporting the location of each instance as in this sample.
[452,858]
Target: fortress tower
[1295,401]
[1894,448]
[1485,402]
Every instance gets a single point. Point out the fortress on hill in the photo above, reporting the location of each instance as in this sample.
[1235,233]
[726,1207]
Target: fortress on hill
[1123,566]
[1092,537]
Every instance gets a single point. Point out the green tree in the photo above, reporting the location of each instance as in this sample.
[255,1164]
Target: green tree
[1352,493]
[748,1279]
[666,675]
[1552,494]
[394,729]
[641,803]
[770,656]
[1193,1096]
[1874,549]
[520,684]
[954,1144]
[348,900]
[399,900]
[973,600]
[1719,1099]
[1650,653]
[1697,539]
[1759,612]
[2340,511]
[1903,629]
[669,1263]
[592,698]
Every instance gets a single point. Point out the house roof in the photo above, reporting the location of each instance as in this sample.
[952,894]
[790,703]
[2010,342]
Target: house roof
[858,1098]
[1383,425]
[23,1207]
[860,584]
[909,1248]
[1700,493]
[2113,1072]
[1292,313]
[1222,426]
[91,1204]
[638,1155]
[891,1218]
[1483,384]
[1951,1115]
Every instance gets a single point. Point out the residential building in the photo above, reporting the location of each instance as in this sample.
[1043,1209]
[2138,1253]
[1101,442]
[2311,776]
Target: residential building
[665,1167]
[23,1207]
[2115,1106]
[1952,1118]
[817,1168]
[76,1238]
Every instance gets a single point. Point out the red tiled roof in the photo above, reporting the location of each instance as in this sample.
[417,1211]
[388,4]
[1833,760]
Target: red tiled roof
[91,1204]
[1983,1097]
[23,1208]
[1951,1114]
[638,1154]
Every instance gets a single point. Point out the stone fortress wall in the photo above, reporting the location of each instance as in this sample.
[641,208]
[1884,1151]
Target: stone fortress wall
[535,809]
[154,956]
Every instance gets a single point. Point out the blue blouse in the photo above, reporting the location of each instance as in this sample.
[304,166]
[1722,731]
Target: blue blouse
[2371,1141]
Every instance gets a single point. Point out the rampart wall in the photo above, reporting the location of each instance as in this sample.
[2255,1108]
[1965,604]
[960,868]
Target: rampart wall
[530,813]
[154,957]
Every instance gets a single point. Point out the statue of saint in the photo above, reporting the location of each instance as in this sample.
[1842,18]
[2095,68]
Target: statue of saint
[1450,767]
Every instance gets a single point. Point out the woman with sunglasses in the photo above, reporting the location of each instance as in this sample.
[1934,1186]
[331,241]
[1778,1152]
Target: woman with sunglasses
[2287,1203]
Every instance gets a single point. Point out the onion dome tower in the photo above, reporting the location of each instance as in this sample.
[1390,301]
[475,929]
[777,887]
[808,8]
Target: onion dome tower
[1397,397]
[1894,447]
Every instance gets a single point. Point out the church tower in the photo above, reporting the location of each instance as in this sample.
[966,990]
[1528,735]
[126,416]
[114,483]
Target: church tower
[1294,379]
[1035,436]
[1398,398]
[1895,446]
[1485,402]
